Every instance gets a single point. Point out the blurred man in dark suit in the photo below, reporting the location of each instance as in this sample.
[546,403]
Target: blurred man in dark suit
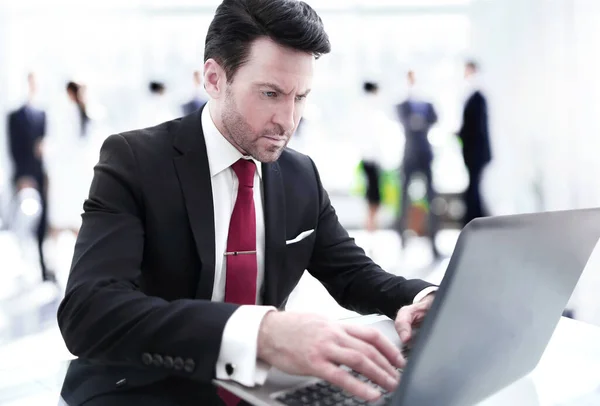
[197,101]
[475,142]
[417,117]
[26,130]
[197,230]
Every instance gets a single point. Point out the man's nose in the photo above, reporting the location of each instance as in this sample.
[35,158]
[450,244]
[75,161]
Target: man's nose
[284,116]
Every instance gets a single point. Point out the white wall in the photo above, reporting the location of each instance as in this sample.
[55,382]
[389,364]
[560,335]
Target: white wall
[540,64]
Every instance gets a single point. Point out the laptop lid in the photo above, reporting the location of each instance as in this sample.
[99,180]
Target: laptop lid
[501,298]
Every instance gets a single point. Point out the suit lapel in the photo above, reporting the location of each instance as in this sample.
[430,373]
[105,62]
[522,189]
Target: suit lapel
[274,211]
[194,177]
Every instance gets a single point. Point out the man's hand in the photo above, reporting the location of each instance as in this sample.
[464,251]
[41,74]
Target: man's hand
[304,344]
[411,316]
[38,149]
[25,182]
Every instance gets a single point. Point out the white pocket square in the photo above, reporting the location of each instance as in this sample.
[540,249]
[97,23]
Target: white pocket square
[300,237]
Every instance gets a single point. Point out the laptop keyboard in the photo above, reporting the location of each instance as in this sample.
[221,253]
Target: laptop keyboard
[325,394]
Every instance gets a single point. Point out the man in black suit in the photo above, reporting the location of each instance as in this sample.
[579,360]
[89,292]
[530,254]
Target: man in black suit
[475,144]
[197,230]
[417,117]
[26,130]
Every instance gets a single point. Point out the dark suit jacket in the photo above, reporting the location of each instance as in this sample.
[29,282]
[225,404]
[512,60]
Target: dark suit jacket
[474,132]
[26,127]
[416,127]
[138,300]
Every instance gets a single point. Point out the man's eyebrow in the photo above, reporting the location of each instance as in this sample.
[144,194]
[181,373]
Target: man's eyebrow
[278,89]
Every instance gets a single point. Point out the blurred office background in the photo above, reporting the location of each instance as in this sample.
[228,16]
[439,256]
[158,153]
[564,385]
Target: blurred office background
[539,67]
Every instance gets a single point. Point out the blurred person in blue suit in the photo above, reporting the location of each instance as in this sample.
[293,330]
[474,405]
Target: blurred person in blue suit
[197,101]
[475,139]
[26,131]
[417,116]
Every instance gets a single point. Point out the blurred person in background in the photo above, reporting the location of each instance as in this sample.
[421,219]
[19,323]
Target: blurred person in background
[197,100]
[417,116]
[68,148]
[157,108]
[196,231]
[370,144]
[475,142]
[26,131]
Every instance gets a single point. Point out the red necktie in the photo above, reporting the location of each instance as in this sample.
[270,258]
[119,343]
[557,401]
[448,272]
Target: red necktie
[240,282]
[242,268]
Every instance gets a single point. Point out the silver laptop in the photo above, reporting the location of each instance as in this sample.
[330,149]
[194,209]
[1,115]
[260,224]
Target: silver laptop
[503,293]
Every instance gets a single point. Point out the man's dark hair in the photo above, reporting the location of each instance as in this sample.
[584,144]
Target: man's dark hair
[473,65]
[370,87]
[237,23]
[76,89]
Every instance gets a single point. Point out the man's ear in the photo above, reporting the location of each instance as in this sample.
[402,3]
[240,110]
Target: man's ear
[214,79]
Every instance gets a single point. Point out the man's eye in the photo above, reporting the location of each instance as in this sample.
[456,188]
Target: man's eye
[270,95]
[300,98]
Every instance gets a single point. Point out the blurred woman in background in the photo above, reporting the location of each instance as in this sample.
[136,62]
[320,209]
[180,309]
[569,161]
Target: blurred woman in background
[69,172]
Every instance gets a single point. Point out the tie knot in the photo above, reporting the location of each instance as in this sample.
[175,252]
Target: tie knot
[244,170]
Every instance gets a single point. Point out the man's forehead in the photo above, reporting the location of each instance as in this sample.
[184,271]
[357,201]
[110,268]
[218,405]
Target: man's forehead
[283,80]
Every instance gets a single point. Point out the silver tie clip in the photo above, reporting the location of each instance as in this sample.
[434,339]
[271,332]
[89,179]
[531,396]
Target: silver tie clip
[240,253]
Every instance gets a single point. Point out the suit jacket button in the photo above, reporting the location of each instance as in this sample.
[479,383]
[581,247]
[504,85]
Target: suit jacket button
[146,358]
[158,360]
[168,362]
[121,383]
[229,368]
[178,364]
[189,366]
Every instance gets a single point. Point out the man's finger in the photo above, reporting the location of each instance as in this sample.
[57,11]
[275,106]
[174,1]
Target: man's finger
[403,324]
[342,378]
[363,365]
[373,353]
[407,321]
[381,343]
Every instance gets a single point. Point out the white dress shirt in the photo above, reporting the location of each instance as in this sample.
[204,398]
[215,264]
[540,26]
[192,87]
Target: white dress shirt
[238,346]
[240,336]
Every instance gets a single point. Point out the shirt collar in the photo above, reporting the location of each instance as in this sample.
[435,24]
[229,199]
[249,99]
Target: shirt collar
[221,154]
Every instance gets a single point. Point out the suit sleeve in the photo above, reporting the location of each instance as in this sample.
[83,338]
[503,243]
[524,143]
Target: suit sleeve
[15,144]
[432,116]
[351,277]
[43,124]
[401,116]
[105,315]
[483,120]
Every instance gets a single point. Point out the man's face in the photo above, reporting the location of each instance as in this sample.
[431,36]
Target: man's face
[261,108]
[31,80]
[469,71]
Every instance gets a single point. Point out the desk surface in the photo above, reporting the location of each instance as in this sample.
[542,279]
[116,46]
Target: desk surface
[568,373]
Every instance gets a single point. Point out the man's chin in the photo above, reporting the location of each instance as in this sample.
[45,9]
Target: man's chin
[268,156]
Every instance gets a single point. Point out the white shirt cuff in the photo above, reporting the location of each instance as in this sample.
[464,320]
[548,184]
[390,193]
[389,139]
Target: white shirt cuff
[238,347]
[421,295]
